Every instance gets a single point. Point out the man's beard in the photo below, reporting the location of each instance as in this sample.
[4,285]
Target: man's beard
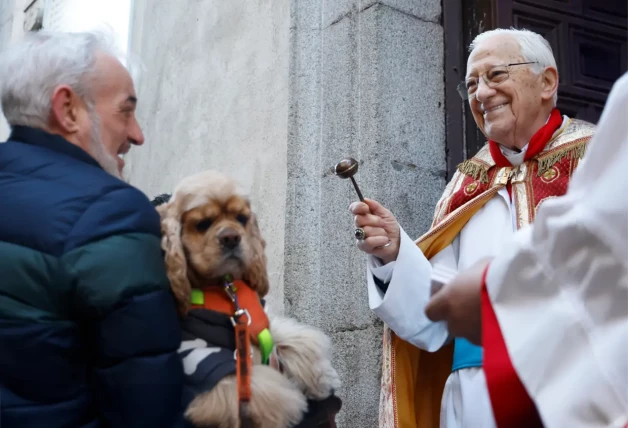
[105,160]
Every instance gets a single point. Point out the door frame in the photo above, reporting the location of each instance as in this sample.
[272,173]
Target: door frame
[463,141]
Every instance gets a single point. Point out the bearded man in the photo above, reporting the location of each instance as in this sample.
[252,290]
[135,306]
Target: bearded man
[511,85]
[89,331]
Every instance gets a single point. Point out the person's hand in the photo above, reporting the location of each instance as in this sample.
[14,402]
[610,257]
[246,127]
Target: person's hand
[380,227]
[459,304]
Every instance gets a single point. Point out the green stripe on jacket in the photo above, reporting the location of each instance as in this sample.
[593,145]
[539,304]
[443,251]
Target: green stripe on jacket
[87,281]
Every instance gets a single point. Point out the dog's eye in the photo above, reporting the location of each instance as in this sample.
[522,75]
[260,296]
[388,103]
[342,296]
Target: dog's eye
[203,225]
[242,219]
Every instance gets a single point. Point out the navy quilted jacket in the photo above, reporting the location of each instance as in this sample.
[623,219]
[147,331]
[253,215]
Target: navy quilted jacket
[88,326]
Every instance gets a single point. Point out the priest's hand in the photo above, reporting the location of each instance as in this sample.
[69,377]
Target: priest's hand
[381,230]
[459,304]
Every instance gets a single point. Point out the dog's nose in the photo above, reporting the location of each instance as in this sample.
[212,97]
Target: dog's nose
[229,239]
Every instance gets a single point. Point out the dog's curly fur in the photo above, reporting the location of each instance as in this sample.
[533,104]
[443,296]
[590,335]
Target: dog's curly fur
[205,211]
[202,207]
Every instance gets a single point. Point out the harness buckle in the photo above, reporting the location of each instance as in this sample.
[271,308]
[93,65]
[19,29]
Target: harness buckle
[238,314]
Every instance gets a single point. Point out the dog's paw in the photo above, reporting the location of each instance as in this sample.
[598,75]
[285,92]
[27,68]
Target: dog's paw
[216,408]
[323,383]
[275,402]
[304,353]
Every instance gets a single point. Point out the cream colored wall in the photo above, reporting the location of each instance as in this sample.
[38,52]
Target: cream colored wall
[63,15]
[214,95]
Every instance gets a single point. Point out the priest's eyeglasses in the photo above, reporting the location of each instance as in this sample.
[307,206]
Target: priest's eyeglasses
[492,77]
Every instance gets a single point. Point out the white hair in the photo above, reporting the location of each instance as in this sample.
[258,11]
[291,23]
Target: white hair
[32,69]
[533,47]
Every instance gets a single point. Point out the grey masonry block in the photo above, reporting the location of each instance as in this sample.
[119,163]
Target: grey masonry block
[358,359]
[403,141]
[333,11]
[369,86]
[305,14]
[425,10]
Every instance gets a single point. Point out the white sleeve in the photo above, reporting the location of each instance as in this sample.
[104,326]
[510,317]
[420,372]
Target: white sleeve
[561,292]
[402,307]
[381,272]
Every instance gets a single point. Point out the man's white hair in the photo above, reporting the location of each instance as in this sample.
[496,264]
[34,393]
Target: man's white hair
[32,69]
[533,46]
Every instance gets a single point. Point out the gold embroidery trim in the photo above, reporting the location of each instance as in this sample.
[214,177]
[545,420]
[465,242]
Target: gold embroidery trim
[443,204]
[577,150]
[577,130]
[550,175]
[475,170]
[471,188]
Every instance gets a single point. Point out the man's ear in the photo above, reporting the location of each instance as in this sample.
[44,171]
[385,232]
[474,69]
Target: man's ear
[64,114]
[550,83]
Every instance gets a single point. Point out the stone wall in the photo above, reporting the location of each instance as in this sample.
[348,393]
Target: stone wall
[366,80]
[275,93]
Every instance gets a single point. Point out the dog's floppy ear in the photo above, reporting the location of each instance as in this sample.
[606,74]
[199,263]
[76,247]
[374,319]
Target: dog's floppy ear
[256,275]
[176,263]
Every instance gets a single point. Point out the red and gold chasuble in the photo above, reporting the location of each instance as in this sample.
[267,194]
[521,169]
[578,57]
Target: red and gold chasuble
[413,380]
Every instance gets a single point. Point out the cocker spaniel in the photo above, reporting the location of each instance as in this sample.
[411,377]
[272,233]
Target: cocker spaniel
[210,233]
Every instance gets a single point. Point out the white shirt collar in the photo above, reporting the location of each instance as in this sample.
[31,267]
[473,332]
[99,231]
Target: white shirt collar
[515,157]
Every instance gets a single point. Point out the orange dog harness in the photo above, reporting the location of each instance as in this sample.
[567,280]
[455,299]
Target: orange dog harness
[219,299]
[238,301]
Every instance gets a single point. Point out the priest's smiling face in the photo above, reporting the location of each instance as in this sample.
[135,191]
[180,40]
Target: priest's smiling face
[513,110]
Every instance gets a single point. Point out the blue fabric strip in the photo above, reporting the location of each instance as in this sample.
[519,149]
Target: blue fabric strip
[466,355]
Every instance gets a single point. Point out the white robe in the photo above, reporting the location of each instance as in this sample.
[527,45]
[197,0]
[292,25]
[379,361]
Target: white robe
[560,292]
[465,402]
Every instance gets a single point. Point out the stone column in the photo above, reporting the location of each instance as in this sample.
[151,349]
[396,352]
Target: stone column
[366,80]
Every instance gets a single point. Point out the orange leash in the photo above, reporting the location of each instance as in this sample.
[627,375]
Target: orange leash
[244,366]
[238,301]
[241,320]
